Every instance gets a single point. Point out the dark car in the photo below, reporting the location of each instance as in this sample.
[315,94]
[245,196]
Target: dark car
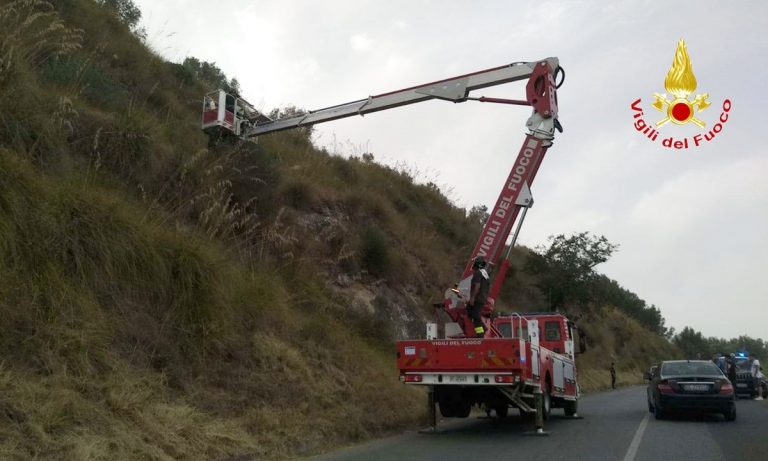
[745,382]
[690,385]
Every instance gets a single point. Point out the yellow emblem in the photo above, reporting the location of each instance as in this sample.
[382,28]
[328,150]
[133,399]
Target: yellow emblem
[681,83]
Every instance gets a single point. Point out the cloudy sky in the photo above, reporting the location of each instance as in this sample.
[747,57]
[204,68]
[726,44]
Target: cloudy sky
[692,224]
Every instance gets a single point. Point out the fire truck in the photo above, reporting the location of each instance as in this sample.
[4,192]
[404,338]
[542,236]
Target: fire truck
[524,361]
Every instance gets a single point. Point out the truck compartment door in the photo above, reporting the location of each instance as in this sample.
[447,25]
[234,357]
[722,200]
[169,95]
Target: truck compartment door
[558,372]
[568,373]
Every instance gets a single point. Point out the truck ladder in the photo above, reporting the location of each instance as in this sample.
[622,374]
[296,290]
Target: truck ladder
[515,396]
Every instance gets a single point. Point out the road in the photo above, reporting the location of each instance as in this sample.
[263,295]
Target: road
[616,426]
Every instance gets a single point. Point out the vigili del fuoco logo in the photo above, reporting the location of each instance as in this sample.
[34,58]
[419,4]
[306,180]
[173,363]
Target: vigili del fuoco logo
[680,108]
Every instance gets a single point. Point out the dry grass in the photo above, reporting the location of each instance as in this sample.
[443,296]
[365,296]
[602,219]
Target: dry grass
[614,337]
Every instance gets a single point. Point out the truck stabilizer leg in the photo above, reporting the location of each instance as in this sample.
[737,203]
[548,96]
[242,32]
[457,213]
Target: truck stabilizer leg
[539,399]
[432,412]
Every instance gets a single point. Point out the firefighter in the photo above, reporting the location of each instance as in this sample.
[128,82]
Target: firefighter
[732,368]
[478,295]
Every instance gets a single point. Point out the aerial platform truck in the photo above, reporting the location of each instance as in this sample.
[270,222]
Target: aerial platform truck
[525,360]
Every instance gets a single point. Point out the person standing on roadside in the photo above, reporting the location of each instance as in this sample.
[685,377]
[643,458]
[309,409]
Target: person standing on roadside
[613,376]
[757,376]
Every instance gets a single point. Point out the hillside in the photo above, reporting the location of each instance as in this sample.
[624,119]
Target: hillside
[164,298]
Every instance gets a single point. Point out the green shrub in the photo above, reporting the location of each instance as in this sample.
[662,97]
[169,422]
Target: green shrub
[374,253]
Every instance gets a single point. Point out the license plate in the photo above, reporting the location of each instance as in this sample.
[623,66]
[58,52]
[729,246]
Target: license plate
[697,387]
[458,379]
[741,385]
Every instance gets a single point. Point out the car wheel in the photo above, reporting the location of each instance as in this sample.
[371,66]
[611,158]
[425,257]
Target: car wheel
[659,413]
[731,414]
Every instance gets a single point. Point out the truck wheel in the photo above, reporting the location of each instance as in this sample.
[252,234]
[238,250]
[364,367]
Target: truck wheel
[570,407]
[463,409]
[447,409]
[547,402]
[501,411]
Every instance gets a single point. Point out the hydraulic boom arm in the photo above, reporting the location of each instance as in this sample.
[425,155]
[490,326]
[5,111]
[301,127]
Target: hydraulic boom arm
[454,89]
[224,112]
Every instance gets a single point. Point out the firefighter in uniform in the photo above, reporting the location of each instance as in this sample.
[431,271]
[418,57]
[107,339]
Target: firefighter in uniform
[478,295]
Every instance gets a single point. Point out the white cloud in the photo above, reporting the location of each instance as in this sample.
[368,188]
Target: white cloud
[360,42]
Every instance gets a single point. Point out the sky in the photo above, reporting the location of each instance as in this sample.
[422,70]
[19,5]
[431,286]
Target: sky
[691,224]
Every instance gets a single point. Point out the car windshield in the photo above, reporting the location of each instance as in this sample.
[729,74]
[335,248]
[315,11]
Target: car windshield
[690,368]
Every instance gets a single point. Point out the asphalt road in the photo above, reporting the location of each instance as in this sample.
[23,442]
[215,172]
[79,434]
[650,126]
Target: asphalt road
[616,426]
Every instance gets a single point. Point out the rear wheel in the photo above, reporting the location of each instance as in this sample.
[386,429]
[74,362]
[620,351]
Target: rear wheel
[463,409]
[447,409]
[659,413]
[731,414]
[501,411]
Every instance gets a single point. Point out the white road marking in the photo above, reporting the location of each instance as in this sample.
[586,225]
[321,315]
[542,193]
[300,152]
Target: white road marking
[632,450]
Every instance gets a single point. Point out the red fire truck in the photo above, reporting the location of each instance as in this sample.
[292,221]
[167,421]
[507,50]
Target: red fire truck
[520,355]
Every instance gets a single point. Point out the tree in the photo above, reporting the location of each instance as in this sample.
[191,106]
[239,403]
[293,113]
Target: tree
[693,344]
[125,10]
[478,214]
[212,75]
[566,268]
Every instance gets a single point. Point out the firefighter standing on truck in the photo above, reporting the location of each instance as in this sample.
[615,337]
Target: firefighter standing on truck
[478,295]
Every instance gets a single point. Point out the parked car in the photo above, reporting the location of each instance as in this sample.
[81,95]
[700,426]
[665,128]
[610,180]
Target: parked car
[690,385]
[745,382]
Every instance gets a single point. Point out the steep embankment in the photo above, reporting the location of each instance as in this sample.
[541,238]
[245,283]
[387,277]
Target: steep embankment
[164,299]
